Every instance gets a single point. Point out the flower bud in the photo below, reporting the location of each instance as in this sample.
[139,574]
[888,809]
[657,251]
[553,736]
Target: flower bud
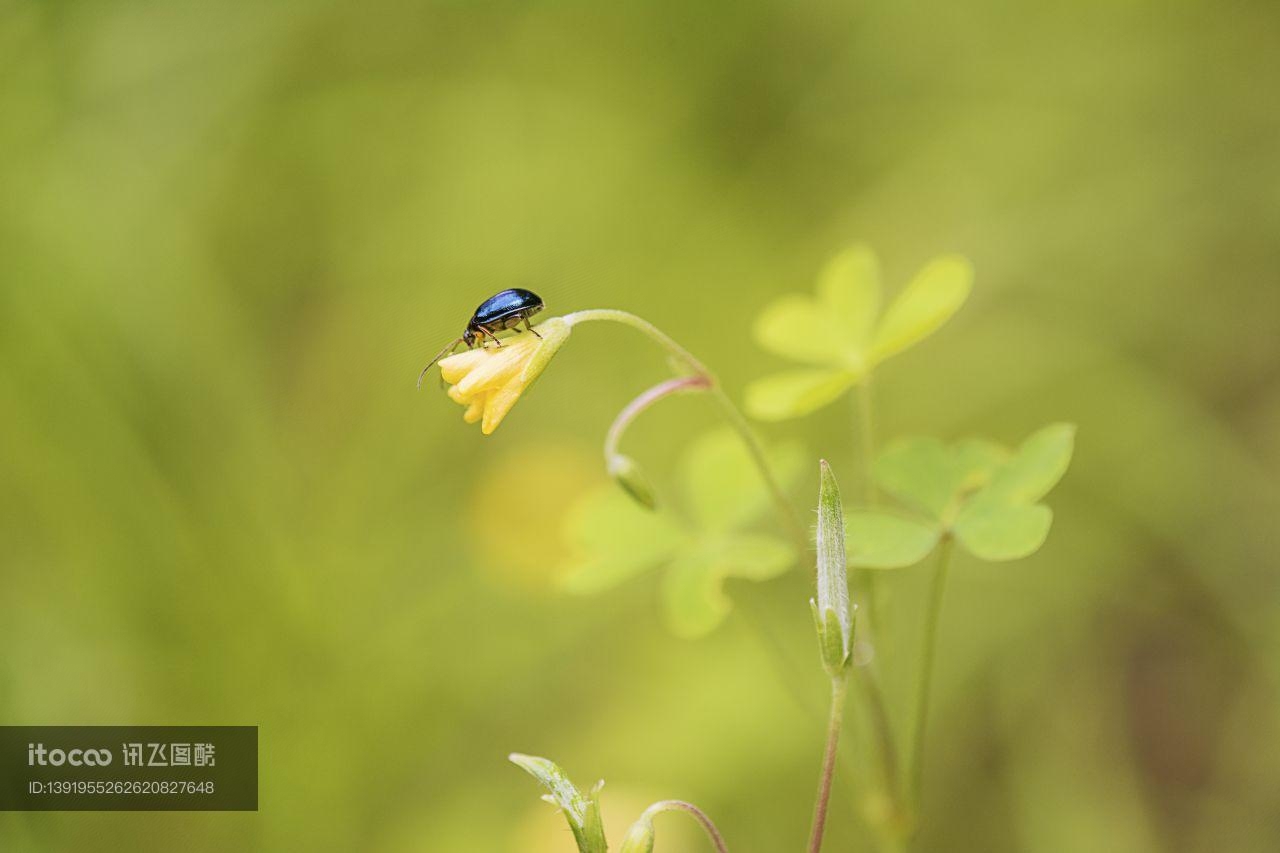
[640,837]
[832,615]
[582,811]
[632,480]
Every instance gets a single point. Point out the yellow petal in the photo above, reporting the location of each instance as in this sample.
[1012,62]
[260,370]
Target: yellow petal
[498,367]
[457,366]
[488,381]
[499,403]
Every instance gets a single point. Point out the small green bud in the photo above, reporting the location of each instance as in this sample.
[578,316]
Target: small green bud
[830,638]
[581,811]
[640,837]
[833,616]
[632,480]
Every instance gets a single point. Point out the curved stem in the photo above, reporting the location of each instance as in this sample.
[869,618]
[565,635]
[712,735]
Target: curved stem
[839,687]
[628,319]
[936,590]
[644,401]
[698,814]
[730,411]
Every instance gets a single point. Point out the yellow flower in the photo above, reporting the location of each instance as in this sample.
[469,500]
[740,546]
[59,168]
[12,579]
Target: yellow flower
[489,380]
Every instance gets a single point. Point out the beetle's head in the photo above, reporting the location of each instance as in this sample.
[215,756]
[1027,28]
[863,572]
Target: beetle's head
[469,337]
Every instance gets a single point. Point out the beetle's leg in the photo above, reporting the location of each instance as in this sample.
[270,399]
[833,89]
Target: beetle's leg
[529,326]
[491,335]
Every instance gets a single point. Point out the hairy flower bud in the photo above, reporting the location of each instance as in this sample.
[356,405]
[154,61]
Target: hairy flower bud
[832,614]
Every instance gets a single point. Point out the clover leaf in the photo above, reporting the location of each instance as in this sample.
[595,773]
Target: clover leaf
[883,540]
[984,495]
[840,333]
[613,539]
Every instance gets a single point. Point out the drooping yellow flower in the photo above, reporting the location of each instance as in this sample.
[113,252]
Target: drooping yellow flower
[489,380]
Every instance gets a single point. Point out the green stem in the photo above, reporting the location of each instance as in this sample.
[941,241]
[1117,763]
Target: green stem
[739,422]
[867,438]
[923,688]
[873,698]
[628,319]
[839,688]
[698,814]
[867,447]
[882,728]
[786,670]
[727,408]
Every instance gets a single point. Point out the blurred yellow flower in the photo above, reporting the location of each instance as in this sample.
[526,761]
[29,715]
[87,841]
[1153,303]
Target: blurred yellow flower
[489,380]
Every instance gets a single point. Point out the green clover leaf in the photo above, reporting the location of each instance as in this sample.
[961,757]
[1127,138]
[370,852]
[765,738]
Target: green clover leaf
[723,487]
[932,297]
[882,540]
[920,472]
[925,474]
[693,587]
[614,540]
[984,495]
[793,393]
[840,334]
[994,531]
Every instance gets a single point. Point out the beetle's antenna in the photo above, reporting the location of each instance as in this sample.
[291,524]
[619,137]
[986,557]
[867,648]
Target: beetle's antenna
[450,348]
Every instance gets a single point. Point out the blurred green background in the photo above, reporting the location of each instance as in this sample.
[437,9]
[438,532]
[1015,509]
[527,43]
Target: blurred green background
[232,233]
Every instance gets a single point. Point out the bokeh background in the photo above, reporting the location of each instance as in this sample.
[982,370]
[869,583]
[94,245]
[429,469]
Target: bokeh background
[232,233]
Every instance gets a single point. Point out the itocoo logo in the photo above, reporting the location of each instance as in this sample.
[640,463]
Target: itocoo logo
[38,755]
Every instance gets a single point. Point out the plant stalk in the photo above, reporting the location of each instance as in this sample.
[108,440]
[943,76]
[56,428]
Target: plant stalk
[731,413]
[864,424]
[871,693]
[717,840]
[646,399]
[924,686]
[867,438]
[739,422]
[839,688]
[867,448]
[882,727]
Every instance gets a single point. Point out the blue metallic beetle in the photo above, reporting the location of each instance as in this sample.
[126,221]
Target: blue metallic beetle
[501,311]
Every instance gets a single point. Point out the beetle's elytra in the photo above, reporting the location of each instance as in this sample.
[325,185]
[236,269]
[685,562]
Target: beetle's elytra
[503,310]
